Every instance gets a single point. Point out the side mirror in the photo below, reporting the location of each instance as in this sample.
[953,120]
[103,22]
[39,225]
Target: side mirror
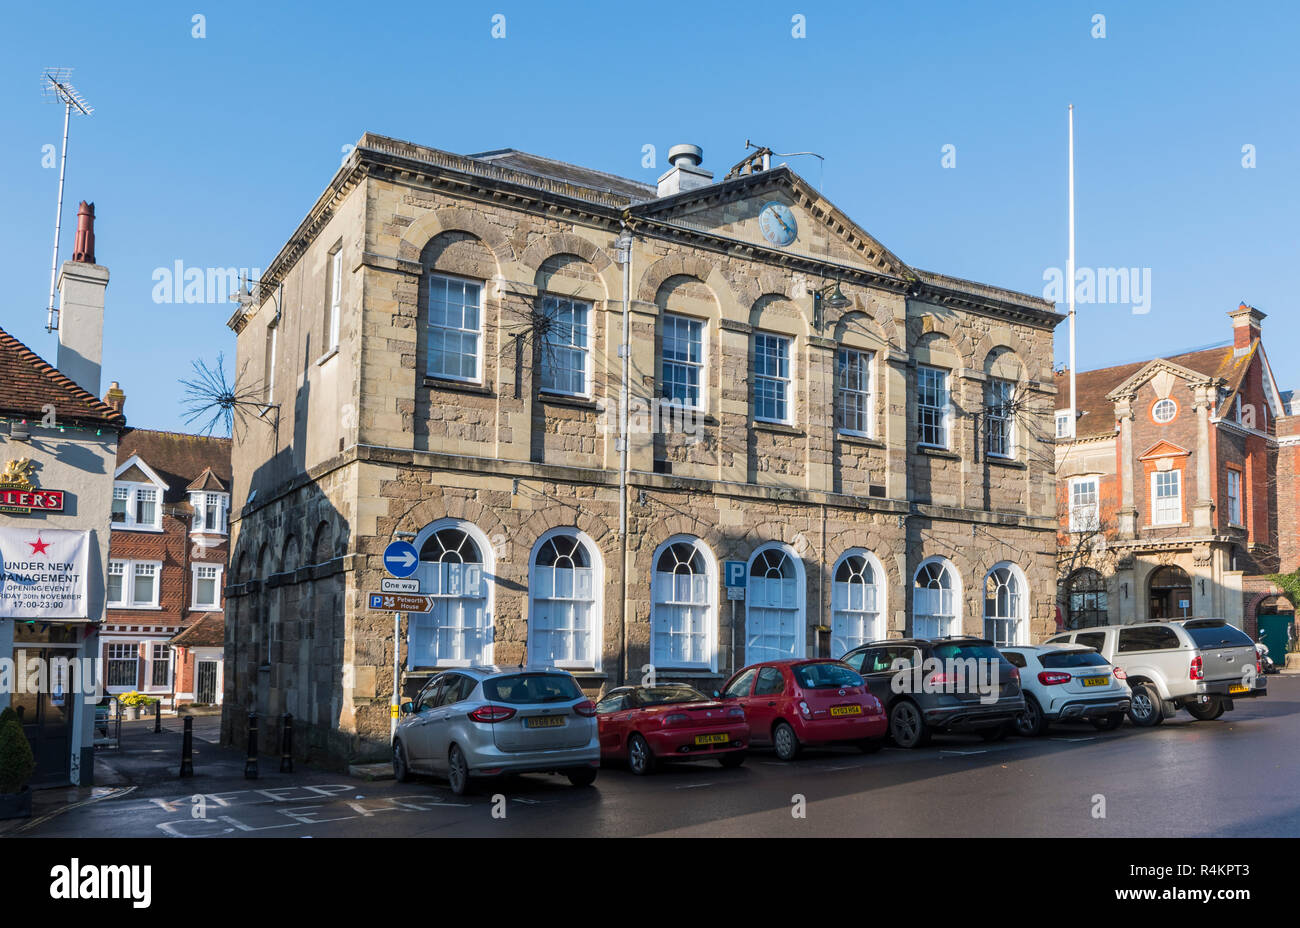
[408,708]
[717,695]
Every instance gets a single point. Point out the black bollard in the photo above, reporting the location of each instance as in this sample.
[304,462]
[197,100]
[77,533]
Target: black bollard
[286,744]
[250,765]
[157,717]
[187,748]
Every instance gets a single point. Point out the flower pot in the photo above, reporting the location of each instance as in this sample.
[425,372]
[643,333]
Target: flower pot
[16,805]
[1293,661]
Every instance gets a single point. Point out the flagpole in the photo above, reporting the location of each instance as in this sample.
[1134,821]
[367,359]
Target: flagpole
[1069,278]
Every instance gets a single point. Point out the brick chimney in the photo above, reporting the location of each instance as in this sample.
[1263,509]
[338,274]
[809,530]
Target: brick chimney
[1246,322]
[82,283]
[116,396]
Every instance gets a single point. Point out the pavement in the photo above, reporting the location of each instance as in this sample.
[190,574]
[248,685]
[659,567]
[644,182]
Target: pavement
[1231,777]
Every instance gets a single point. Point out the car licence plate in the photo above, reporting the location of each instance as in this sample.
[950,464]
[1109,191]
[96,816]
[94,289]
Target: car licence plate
[1237,688]
[544,721]
[716,738]
[846,710]
[1095,681]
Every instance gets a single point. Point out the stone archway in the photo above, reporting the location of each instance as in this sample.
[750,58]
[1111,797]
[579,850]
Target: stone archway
[1169,593]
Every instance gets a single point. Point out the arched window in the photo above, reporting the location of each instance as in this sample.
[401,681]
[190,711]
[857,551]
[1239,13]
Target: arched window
[1171,593]
[454,573]
[564,621]
[857,601]
[1004,605]
[774,605]
[936,600]
[683,621]
[1086,604]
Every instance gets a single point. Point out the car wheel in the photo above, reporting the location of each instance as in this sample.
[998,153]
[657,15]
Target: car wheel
[785,741]
[733,759]
[640,760]
[457,771]
[906,726]
[1144,707]
[1031,723]
[871,745]
[401,769]
[1206,709]
[1109,722]
[582,776]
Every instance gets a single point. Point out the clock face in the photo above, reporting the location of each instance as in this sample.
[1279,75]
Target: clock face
[777,223]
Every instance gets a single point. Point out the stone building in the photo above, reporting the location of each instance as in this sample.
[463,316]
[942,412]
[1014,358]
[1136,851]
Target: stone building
[439,353]
[1175,491]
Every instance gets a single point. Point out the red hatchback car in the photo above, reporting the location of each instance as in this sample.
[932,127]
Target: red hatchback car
[646,725]
[793,703]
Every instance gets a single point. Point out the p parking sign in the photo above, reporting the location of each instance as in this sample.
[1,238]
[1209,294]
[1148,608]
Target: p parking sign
[735,573]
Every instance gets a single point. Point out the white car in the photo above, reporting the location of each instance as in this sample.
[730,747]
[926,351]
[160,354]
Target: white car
[1068,681]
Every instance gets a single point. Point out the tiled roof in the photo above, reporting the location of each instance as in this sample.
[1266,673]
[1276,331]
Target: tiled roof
[178,458]
[208,481]
[208,632]
[1096,412]
[28,384]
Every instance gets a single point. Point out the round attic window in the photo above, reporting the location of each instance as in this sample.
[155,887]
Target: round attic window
[1164,410]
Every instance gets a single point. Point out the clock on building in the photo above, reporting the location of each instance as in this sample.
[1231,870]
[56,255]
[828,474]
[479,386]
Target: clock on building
[777,223]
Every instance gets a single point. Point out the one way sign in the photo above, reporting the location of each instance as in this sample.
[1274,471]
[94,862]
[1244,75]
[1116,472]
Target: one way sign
[401,559]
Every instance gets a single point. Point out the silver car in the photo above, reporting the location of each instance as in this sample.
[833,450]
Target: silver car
[489,721]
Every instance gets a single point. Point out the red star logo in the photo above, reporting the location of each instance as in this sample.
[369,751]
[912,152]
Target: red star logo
[38,546]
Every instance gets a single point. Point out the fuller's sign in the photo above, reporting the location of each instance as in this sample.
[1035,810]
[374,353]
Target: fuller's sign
[18,494]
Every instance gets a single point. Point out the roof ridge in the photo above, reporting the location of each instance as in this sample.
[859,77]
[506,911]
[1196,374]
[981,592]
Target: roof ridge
[46,369]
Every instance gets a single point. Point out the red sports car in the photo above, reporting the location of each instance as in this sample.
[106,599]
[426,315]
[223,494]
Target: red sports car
[647,725]
[793,703]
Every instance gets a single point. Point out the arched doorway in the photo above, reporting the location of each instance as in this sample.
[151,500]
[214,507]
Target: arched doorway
[1170,594]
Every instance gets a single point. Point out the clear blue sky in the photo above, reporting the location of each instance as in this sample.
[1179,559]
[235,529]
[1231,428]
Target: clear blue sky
[210,151]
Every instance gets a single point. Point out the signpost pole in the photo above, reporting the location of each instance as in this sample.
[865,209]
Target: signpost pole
[394,710]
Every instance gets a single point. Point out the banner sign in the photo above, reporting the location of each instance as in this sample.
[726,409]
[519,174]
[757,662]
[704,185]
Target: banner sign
[43,573]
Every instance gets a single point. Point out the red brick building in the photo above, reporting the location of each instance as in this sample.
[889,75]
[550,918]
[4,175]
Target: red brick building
[164,635]
[1176,487]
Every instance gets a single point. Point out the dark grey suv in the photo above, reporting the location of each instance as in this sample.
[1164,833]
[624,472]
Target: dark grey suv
[928,685]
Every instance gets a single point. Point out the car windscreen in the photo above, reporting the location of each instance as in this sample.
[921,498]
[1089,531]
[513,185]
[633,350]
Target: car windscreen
[523,688]
[1218,635]
[666,695]
[961,652]
[825,676]
[1058,659]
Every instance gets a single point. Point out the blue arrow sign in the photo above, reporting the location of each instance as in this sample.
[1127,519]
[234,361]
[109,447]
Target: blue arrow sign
[736,571]
[401,558]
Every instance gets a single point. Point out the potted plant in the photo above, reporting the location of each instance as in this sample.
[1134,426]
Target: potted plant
[138,703]
[16,767]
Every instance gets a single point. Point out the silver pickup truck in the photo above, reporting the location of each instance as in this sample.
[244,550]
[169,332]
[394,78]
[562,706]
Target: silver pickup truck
[1200,665]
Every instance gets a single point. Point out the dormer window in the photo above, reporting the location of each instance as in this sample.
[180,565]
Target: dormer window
[210,512]
[136,506]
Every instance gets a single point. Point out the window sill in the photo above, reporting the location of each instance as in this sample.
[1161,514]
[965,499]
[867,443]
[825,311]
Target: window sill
[1006,462]
[135,608]
[865,441]
[118,526]
[778,428]
[1159,525]
[458,386]
[934,452]
[333,352]
[576,402]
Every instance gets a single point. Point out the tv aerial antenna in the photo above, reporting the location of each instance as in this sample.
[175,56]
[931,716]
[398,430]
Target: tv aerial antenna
[57,88]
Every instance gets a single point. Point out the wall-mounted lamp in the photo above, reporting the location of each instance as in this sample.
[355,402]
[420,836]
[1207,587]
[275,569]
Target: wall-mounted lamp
[1124,587]
[829,295]
[1202,586]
